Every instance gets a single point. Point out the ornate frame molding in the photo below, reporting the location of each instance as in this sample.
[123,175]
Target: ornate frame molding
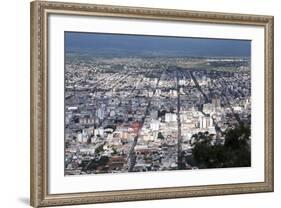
[39,103]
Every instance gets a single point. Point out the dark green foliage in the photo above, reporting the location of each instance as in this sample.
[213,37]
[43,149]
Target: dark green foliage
[114,151]
[161,113]
[235,152]
[94,163]
[160,136]
[99,149]
[103,161]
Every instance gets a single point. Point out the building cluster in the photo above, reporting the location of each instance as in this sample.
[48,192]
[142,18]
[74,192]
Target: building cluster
[139,114]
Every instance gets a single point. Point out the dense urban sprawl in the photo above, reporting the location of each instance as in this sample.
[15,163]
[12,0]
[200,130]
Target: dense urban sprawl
[140,113]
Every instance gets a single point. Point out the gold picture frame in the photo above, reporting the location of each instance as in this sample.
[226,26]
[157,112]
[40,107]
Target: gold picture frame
[39,103]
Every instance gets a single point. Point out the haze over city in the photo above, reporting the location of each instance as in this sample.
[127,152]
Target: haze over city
[137,45]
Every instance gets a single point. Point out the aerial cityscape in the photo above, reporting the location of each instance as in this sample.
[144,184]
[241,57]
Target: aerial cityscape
[148,103]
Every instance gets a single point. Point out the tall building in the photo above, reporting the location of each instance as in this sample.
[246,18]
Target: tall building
[101,113]
[154,125]
[205,122]
[82,137]
[216,102]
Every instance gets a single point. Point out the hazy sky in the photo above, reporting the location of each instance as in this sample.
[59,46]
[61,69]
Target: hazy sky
[134,45]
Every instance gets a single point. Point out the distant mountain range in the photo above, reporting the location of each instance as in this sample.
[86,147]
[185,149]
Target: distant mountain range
[142,45]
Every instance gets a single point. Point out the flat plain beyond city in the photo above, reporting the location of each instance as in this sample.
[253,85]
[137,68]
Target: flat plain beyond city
[136,103]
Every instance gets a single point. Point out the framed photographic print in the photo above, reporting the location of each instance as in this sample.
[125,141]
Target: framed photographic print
[140,103]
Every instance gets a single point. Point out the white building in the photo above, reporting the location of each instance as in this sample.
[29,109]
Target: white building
[208,108]
[101,113]
[82,137]
[205,122]
[99,131]
[170,117]
[154,125]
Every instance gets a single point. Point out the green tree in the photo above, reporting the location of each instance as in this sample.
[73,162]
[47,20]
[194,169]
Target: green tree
[235,152]
[99,149]
[160,136]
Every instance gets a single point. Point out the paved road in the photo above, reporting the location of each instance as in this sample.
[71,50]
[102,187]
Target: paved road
[198,86]
[132,156]
[218,129]
[180,162]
